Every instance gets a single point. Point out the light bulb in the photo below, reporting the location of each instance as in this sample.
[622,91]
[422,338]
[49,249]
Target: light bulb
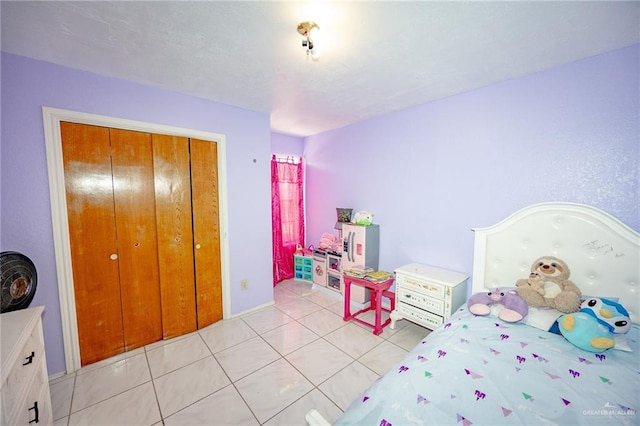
[314,53]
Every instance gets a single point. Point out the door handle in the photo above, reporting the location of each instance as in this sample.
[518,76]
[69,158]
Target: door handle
[113,256]
[29,358]
[36,419]
[352,237]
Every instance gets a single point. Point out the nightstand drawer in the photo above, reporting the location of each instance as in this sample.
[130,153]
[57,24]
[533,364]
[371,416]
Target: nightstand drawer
[424,318]
[405,295]
[417,284]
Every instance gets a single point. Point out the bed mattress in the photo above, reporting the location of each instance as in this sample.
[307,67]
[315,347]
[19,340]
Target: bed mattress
[479,370]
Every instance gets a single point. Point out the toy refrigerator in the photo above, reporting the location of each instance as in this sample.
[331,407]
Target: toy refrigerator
[360,245]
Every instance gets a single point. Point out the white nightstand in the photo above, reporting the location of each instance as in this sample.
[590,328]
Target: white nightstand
[427,295]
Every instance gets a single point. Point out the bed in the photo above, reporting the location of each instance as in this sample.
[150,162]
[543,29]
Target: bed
[480,370]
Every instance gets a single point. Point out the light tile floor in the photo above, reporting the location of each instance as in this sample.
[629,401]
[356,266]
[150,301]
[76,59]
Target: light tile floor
[266,367]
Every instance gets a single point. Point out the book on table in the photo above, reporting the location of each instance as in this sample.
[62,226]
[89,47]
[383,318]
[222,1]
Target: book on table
[378,276]
[358,271]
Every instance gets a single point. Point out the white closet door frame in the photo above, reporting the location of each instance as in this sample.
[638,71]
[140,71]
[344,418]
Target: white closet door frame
[53,141]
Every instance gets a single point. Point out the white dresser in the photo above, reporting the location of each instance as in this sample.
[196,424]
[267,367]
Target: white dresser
[25,382]
[427,295]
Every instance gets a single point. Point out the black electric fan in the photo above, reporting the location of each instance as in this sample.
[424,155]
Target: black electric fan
[19,280]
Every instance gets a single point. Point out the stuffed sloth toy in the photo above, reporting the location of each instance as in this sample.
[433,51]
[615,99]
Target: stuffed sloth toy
[548,285]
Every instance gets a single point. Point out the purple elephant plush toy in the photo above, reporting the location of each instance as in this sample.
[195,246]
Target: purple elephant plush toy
[514,307]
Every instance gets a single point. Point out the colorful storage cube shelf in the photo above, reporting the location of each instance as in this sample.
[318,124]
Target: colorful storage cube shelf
[303,268]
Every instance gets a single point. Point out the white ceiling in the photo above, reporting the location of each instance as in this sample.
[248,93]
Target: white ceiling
[377,57]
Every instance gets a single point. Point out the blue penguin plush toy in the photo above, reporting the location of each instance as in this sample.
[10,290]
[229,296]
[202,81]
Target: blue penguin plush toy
[593,327]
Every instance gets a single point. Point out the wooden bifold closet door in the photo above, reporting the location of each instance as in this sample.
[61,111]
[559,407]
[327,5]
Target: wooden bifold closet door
[144,236]
[175,234]
[206,229]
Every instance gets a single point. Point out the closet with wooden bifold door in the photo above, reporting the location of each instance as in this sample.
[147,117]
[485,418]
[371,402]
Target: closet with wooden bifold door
[144,233]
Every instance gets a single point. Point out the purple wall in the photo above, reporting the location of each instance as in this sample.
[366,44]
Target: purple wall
[287,145]
[432,172]
[27,85]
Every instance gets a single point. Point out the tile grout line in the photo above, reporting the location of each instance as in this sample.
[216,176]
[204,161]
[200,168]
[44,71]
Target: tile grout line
[231,382]
[153,385]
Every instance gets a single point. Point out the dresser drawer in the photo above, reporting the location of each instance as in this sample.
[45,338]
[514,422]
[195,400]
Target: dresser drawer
[35,407]
[27,364]
[424,318]
[25,383]
[405,295]
[421,285]
[32,407]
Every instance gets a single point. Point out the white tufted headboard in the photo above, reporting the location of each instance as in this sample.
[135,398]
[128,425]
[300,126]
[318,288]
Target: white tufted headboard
[602,252]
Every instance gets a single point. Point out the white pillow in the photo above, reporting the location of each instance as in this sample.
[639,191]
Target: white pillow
[542,318]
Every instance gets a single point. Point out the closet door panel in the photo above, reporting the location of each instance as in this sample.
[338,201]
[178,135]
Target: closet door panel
[175,234]
[134,200]
[206,230]
[89,193]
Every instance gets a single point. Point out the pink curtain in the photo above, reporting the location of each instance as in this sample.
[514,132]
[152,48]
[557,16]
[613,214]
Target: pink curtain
[287,213]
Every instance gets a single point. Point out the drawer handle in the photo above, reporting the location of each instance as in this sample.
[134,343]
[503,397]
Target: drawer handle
[35,409]
[29,359]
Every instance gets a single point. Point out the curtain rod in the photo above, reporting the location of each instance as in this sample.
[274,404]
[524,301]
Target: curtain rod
[286,158]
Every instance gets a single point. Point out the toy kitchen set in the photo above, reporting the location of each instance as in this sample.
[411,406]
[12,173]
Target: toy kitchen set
[357,246]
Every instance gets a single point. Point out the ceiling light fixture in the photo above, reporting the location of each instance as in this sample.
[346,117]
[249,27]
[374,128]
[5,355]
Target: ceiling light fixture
[304,28]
